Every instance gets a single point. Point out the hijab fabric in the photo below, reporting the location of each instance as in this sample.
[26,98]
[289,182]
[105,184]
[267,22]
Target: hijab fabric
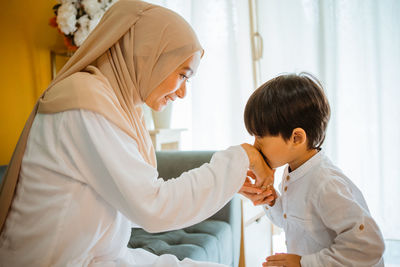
[132,50]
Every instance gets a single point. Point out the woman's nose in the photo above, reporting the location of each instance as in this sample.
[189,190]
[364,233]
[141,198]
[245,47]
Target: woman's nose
[181,92]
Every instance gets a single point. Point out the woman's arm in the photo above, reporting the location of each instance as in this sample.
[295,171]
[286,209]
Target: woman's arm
[107,159]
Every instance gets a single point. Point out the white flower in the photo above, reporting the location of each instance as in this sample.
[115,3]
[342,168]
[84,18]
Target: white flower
[104,3]
[83,30]
[67,1]
[89,12]
[112,2]
[66,18]
[92,7]
[95,20]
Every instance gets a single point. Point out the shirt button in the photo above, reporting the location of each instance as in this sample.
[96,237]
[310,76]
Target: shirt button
[284,215]
[266,208]
[361,227]
[285,188]
[287,178]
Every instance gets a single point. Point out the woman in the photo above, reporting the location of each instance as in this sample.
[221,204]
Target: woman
[84,169]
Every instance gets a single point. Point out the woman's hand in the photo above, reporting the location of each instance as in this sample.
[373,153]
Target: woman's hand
[257,195]
[263,174]
[262,191]
[283,259]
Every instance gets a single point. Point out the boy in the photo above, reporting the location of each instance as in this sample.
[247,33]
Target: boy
[324,215]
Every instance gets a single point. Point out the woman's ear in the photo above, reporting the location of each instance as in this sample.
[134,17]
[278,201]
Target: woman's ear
[299,136]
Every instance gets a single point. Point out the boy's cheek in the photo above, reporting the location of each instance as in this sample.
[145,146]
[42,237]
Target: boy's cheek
[267,159]
[263,153]
[271,165]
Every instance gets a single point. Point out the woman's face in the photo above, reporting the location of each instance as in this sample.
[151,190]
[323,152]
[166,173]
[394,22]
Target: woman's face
[174,85]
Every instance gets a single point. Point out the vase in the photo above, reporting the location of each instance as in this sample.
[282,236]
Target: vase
[162,119]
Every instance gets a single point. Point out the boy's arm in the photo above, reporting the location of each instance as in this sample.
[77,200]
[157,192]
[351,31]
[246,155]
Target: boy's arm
[274,211]
[358,239]
[269,199]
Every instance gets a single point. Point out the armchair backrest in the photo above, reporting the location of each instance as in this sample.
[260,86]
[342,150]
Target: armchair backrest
[3,169]
[171,164]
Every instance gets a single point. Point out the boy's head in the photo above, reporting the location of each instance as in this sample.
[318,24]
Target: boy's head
[288,115]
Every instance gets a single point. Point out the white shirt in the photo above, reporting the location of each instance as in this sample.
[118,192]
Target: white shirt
[325,217]
[83,184]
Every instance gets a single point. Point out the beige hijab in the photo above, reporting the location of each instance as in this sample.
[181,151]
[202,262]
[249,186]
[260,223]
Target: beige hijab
[133,49]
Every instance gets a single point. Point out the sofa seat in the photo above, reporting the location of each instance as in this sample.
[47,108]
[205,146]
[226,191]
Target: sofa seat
[210,240]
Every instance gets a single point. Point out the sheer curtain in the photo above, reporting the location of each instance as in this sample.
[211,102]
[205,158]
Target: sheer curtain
[212,112]
[354,48]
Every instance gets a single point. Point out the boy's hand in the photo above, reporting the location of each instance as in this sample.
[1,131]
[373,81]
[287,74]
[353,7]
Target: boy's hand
[283,259]
[257,195]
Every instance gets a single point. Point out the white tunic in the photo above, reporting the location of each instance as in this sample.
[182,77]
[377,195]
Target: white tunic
[325,217]
[82,185]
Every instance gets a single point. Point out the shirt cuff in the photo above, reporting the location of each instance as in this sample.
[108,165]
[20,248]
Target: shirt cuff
[267,207]
[310,260]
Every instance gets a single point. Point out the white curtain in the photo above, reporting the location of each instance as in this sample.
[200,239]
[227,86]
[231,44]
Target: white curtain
[212,112]
[353,46]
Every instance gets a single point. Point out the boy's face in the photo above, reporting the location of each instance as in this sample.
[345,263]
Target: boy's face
[277,151]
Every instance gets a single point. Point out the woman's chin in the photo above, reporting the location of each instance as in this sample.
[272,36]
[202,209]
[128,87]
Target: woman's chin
[158,108]
[161,108]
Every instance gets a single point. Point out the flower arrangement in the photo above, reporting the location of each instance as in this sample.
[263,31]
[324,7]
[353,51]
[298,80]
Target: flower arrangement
[75,19]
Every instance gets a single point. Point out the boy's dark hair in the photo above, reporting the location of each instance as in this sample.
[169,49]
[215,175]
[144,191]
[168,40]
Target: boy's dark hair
[287,102]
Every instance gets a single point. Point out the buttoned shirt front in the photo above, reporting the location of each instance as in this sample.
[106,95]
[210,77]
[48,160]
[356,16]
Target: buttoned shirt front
[325,217]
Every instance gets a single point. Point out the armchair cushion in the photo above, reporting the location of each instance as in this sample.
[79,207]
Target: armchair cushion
[210,240]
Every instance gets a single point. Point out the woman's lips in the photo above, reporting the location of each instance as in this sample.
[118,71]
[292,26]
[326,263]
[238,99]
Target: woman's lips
[169,99]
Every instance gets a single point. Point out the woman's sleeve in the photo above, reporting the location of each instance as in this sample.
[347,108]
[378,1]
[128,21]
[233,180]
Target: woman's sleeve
[108,160]
[358,239]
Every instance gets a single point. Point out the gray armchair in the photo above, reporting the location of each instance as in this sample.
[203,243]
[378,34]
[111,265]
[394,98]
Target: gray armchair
[2,171]
[216,239]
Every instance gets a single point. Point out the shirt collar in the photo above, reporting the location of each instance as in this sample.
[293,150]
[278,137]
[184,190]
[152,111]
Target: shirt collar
[305,167]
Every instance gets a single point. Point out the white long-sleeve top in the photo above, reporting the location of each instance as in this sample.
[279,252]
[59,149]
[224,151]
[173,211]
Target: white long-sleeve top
[83,184]
[325,217]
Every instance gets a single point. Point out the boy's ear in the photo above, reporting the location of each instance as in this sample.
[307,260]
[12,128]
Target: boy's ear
[299,136]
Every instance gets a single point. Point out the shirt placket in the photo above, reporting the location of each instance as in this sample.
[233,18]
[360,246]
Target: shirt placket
[285,208]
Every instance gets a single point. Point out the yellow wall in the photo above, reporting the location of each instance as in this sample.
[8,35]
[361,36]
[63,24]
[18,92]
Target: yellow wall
[25,42]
